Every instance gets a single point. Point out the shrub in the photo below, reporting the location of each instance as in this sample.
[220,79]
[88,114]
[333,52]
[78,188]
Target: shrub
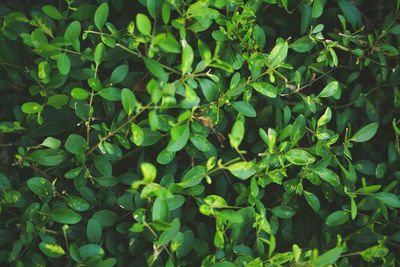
[188,133]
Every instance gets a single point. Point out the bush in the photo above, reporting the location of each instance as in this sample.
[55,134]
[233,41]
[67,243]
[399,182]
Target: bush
[199,133]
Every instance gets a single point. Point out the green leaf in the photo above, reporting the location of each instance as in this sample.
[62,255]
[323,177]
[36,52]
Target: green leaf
[99,53]
[193,177]
[57,101]
[298,130]
[149,172]
[325,118]
[245,108]
[41,187]
[179,137]
[329,257]
[353,209]
[49,157]
[119,74]
[337,218]
[317,8]
[160,209]
[187,57]
[51,250]
[365,133]
[156,69]
[52,12]
[154,7]
[76,144]
[102,165]
[166,12]
[170,233]
[106,218]
[128,101]
[283,212]
[201,143]
[299,157]
[168,43]
[83,12]
[77,203]
[278,53]
[101,15]
[137,134]
[165,156]
[65,216]
[91,250]
[388,198]
[374,252]
[243,170]
[266,89]
[74,253]
[143,24]
[31,108]
[51,142]
[312,200]
[302,45]
[79,93]
[73,31]
[352,14]
[237,134]
[209,89]
[111,93]
[329,90]
[328,175]
[94,231]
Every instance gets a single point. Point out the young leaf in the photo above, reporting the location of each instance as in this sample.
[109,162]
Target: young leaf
[325,118]
[51,250]
[137,134]
[187,57]
[143,24]
[149,172]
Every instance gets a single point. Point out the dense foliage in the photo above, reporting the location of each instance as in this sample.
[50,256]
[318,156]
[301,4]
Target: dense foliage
[199,133]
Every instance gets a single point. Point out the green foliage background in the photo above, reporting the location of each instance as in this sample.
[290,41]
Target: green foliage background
[199,133]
